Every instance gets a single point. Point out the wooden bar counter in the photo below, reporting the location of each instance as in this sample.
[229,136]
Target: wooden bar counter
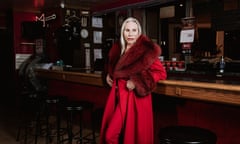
[208,103]
[218,91]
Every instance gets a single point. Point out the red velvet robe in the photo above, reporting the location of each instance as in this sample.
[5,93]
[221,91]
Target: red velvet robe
[141,65]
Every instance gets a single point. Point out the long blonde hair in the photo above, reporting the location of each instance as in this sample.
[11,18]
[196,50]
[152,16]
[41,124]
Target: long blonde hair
[122,40]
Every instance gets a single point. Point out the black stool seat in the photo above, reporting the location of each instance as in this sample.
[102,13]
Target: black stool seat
[78,105]
[186,135]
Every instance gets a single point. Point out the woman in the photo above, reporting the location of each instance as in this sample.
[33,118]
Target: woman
[133,71]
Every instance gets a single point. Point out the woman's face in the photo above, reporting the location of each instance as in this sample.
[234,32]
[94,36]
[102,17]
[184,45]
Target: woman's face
[130,33]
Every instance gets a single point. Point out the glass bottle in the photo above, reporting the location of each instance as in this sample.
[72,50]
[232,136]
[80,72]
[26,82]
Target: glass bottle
[221,65]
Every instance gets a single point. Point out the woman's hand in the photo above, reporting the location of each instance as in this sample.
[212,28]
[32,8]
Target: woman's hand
[130,85]
[109,80]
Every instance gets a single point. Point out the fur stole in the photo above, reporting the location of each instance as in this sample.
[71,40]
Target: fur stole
[135,64]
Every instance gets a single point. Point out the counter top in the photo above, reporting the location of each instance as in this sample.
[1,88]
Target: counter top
[77,77]
[205,85]
[218,91]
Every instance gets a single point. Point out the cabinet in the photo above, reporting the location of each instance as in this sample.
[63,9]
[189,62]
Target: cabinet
[69,37]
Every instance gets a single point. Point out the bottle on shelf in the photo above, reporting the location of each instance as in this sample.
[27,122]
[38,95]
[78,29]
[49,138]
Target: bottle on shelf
[221,67]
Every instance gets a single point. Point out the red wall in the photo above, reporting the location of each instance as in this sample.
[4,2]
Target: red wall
[222,119]
[95,94]
[18,18]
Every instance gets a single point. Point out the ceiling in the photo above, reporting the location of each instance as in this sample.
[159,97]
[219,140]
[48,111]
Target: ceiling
[36,5]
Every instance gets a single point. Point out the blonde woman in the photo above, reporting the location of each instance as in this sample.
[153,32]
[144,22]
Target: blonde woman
[133,71]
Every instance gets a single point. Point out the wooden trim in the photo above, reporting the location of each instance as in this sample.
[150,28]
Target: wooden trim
[76,77]
[210,92]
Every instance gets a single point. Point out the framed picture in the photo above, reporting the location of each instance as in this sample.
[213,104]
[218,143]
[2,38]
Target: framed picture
[97,22]
[97,37]
[84,21]
[187,36]
[39,46]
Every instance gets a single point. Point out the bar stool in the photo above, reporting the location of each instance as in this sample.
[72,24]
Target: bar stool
[186,135]
[77,108]
[54,106]
[31,107]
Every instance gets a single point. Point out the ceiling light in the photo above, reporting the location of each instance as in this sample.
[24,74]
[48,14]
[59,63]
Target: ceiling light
[62,4]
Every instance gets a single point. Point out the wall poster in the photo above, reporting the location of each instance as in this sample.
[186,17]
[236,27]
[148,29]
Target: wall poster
[97,37]
[97,22]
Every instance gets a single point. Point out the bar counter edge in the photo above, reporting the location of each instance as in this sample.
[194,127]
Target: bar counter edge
[204,91]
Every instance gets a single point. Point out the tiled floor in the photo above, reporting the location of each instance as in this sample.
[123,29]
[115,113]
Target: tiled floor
[8,127]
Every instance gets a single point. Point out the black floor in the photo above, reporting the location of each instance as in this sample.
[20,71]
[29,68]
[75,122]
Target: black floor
[8,126]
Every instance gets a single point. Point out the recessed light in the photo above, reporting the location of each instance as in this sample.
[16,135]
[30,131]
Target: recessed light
[62,5]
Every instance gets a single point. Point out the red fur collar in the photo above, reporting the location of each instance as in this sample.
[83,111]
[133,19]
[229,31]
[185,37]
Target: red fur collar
[138,58]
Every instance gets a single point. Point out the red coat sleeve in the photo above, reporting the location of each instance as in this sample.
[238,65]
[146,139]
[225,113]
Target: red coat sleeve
[146,80]
[158,72]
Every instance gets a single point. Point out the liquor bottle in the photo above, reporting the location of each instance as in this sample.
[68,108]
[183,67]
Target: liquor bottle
[221,65]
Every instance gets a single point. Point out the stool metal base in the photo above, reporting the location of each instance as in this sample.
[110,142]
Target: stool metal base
[76,108]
